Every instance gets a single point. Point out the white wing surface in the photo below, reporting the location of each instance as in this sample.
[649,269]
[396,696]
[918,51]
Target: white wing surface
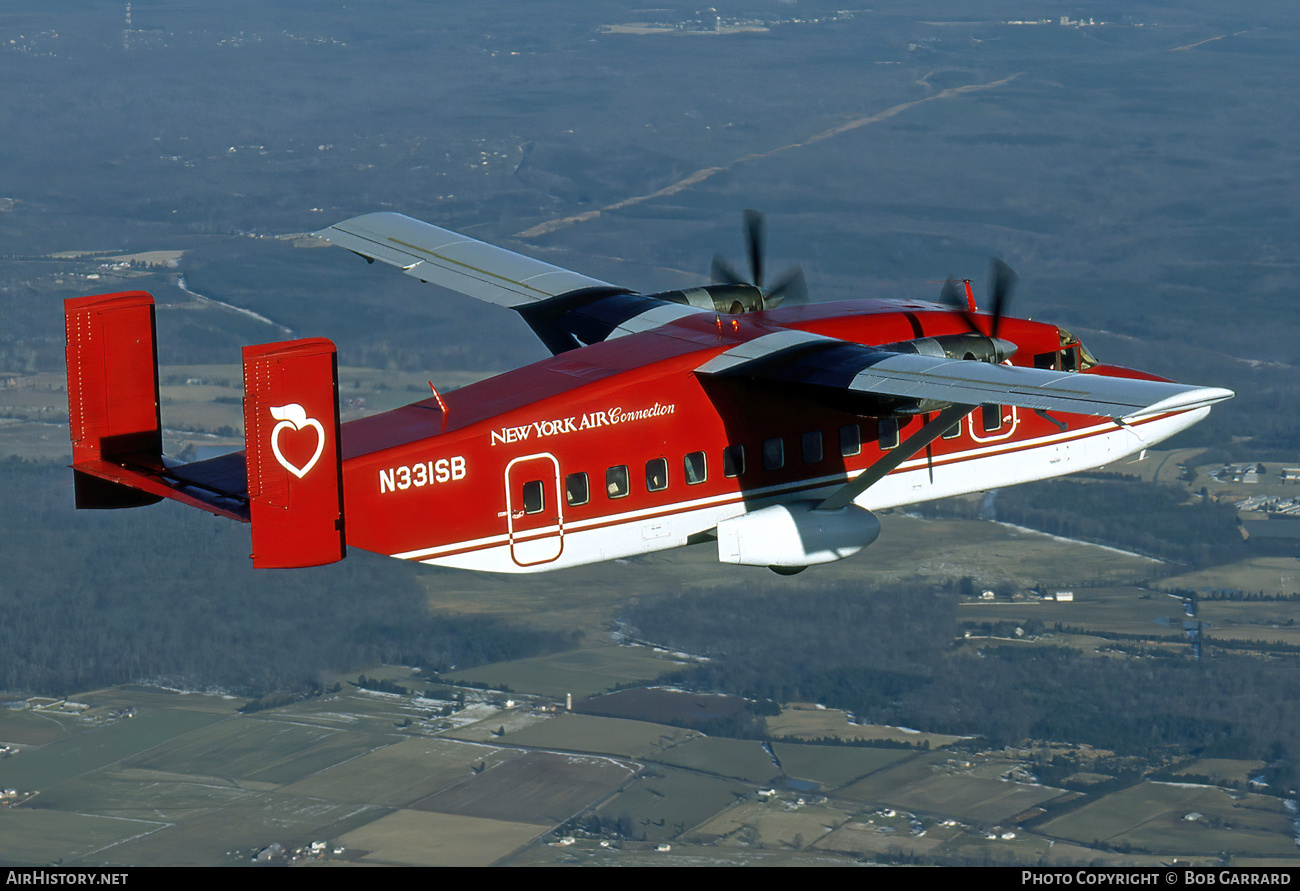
[795,357]
[455,261]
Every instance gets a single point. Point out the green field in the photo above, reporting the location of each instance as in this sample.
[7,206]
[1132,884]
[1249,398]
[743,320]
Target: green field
[419,838]
[585,733]
[233,834]
[809,722]
[99,747]
[147,795]
[741,759]
[546,788]
[834,766]
[668,801]
[38,837]
[860,837]
[398,774]
[1125,610]
[356,710]
[584,672]
[1182,818]
[258,750]
[1272,575]
[938,783]
[775,823]
[1225,770]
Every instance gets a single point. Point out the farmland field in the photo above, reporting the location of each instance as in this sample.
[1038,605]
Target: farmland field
[99,746]
[668,801]
[804,722]
[1159,816]
[834,766]
[584,733]
[398,774]
[775,823]
[546,788]
[1134,171]
[931,784]
[235,833]
[742,759]
[258,750]
[583,672]
[423,838]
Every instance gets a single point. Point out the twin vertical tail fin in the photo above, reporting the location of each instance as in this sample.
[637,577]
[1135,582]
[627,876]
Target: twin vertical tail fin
[288,482]
[112,395]
[291,440]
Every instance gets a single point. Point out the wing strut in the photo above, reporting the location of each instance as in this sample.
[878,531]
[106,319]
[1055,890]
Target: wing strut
[928,433]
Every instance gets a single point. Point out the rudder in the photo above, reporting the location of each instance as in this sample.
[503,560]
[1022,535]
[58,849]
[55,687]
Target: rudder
[113,414]
[291,440]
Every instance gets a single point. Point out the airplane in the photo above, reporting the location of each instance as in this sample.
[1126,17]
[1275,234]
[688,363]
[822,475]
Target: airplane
[733,413]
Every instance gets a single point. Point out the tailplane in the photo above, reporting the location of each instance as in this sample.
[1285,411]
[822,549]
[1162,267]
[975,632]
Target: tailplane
[288,482]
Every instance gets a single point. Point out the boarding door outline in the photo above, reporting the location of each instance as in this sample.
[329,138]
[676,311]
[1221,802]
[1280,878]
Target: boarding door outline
[535,537]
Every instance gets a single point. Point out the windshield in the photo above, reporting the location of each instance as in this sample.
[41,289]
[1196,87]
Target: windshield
[1070,342]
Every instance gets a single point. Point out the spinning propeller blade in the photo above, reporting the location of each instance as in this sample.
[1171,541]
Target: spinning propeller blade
[791,287]
[1002,282]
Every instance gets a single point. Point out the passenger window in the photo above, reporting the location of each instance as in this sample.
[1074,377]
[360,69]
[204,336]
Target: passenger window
[534,497]
[733,460]
[1045,360]
[656,474]
[953,432]
[992,416]
[850,440]
[576,490]
[810,445]
[616,481]
[773,454]
[696,470]
[888,433]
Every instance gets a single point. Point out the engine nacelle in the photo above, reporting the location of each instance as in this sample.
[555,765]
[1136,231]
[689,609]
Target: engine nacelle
[725,298]
[795,535]
[968,346]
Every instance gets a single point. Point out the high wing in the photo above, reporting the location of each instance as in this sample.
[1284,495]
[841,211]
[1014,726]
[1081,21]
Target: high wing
[566,309]
[455,261]
[569,310]
[890,382]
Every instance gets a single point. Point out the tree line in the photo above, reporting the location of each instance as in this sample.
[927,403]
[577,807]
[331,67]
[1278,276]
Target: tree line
[93,598]
[1122,512]
[885,655]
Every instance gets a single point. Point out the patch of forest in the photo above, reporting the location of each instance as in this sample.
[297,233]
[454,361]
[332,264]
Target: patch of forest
[886,656]
[1122,512]
[164,593]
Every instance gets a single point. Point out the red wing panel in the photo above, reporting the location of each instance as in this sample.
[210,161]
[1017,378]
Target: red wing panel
[291,437]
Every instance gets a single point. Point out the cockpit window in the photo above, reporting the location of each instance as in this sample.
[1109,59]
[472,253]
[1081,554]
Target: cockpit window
[1069,343]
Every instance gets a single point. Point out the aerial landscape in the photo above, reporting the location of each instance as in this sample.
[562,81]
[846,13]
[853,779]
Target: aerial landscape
[1099,669]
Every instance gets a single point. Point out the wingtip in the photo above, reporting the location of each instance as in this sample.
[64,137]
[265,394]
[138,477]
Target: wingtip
[1188,400]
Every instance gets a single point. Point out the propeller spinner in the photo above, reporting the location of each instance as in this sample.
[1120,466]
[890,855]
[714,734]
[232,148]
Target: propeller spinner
[957,295]
[790,287]
[1002,282]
